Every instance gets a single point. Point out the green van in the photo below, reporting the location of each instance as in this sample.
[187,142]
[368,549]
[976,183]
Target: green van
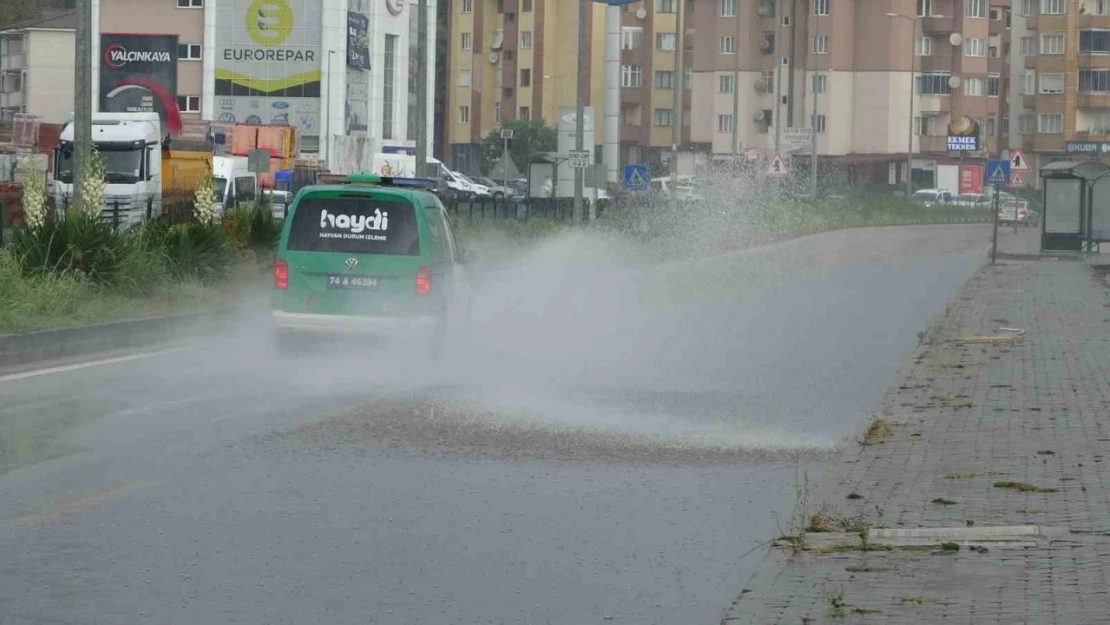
[372,256]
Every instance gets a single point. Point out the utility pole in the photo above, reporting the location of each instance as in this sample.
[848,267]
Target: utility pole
[736,86]
[580,110]
[680,93]
[422,89]
[813,116]
[82,97]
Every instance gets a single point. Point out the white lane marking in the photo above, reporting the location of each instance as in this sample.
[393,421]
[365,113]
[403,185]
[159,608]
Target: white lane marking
[93,363]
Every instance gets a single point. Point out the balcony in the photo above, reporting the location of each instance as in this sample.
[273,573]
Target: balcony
[1031,23]
[1031,62]
[932,143]
[1094,61]
[998,65]
[13,99]
[634,95]
[934,104]
[1045,143]
[997,27]
[934,63]
[938,25]
[1087,135]
[1094,21]
[13,62]
[631,133]
[1093,100]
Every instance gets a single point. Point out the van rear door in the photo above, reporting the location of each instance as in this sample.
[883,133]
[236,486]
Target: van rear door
[356,253]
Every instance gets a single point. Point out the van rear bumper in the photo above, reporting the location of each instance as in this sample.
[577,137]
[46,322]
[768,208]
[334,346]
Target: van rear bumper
[385,327]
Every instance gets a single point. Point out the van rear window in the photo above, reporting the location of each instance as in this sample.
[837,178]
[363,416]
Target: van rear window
[355,225]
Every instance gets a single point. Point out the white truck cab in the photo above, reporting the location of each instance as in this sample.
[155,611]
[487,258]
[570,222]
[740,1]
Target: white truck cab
[130,145]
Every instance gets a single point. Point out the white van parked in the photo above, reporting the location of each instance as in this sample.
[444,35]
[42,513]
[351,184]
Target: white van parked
[233,182]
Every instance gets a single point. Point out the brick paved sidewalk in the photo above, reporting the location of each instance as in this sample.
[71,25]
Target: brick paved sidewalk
[965,418]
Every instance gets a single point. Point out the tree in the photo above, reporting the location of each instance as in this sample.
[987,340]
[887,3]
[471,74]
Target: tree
[529,136]
[12,13]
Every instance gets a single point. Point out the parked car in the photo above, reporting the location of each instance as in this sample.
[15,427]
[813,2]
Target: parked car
[973,200]
[496,189]
[932,197]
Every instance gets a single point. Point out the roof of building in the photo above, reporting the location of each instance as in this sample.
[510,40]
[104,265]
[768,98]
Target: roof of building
[50,18]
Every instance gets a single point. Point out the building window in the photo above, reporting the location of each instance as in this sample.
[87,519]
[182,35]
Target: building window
[464,114]
[1029,46]
[664,117]
[974,47]
[994,85]
[666,6]
[1027,124]
[992,126]
[190,4]
[188,103]
[820,83]
[924,126]
[525,40]
[728,45]
[975,8]
[1029,8]
[766,82]
[525,114]
[973,86]
[466,43]
[632,76]
[664,79]
[500,6]
[688,79]
[464,78]
[728,8]
[819,123]
[1098,7]
[724,123]
[526,6]
[665,41]
[467,6]
[189,51]
[1052,83]
[924,47]
[632,38]
[1094,42]
[820,7]
[924,8]
[389,85]
[820,44]
[1094,81]
[933,83]
[727,83]
[1052,44]
[510,17]
[1029,82]
[1053,7]
[497,112]
[1052,124]
[526,77]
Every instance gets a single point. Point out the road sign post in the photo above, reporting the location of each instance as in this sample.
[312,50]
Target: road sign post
[1018,162]
[579,159]
[777,166]
[998,175]
[635,177]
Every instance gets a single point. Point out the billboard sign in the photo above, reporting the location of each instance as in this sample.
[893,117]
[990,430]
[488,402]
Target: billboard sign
[268,63]
[138,74]
[971,179]
[358,40]
[963,135]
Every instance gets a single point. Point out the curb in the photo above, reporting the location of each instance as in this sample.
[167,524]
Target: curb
[26,348]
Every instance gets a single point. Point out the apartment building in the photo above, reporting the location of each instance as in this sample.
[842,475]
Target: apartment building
[517,59]
[764,69]
[1064,85]
[44,45]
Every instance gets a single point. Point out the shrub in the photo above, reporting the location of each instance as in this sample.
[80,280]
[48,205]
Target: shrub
[79,245]
[200,251]
[253,229]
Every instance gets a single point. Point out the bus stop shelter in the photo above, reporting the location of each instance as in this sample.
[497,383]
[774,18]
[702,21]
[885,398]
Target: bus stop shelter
[1076,206]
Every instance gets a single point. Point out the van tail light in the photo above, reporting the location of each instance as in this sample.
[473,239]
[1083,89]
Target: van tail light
[281,274]
[424,280]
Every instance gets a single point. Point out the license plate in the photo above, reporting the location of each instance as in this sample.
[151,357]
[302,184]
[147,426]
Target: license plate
[357,283]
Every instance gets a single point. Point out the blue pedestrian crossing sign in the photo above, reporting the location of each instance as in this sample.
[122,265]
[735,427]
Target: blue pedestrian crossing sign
[635,177]
[998,173]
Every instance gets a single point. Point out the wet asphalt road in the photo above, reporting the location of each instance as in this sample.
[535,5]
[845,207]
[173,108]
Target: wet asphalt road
[611,465]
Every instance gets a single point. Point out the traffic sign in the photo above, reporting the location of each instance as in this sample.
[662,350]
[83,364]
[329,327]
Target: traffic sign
[1018,162]
[797,134]
[635,177]
[751,154]
[580,159]
[1017,181]
[777,166]
[998,173]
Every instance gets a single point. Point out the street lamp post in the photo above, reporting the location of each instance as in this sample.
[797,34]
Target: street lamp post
[913,55]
